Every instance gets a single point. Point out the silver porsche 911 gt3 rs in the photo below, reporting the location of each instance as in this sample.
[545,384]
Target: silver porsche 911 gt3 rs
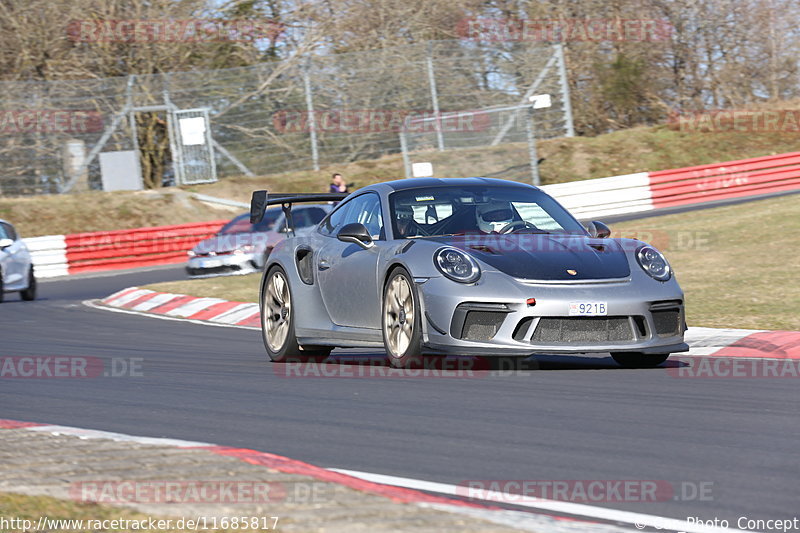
[475,266]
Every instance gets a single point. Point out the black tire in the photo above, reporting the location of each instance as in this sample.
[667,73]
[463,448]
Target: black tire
[405,352]
[29,294]
[282,348]
[2,288]
[639,360]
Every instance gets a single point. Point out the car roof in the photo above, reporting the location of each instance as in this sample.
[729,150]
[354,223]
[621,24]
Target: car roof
[416,183]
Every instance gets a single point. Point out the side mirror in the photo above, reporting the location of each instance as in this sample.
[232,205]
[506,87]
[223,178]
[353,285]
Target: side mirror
[356,233]
[5,243]
[598,229]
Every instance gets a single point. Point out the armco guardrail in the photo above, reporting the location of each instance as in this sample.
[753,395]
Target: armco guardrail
[648,191]
[59,255]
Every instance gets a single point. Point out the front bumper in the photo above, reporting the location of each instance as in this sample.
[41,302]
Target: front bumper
[643,315]
[221,264]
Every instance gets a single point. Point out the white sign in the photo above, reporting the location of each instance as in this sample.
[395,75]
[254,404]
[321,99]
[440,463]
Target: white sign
[193,131]
[120,171]
[422,170]
[541,101]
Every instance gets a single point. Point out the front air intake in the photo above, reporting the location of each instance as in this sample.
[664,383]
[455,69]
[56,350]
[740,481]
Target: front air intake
[583,330]
[667,317]
[478,321]
[667,322]
[481,325]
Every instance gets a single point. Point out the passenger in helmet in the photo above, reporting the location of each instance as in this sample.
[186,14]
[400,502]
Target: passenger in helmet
[406,226]
[494,216]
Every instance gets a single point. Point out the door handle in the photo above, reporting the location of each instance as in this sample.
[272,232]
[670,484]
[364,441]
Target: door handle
[323,264]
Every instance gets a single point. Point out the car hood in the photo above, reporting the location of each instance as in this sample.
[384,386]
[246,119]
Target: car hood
[546,257]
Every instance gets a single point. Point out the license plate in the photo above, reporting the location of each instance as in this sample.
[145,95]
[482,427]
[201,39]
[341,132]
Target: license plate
[211,263]
[588,309]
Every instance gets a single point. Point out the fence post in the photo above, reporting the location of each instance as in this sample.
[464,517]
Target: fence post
[532,154]
[562,72]
[312,122]
[404,149]
[434,96]
[524,100]
[175,150]
[134,131]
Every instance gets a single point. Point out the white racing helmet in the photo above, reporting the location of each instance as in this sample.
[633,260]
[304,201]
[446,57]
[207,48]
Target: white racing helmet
[494,216]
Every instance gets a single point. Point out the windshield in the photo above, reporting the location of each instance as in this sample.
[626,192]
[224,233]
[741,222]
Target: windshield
[241,224]
[437,211]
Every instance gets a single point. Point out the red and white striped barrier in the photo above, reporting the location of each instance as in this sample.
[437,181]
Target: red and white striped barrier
[708,342]
[59,255]
[49,255]
[649,191]
[604,196]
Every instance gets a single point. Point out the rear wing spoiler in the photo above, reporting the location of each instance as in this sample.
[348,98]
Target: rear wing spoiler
[262,199]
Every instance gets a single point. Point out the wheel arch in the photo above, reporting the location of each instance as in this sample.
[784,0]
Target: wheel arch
[390,269]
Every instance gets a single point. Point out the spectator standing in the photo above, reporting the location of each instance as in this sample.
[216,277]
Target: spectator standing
[338,184]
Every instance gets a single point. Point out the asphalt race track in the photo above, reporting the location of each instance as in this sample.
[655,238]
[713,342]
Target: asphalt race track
[584,420]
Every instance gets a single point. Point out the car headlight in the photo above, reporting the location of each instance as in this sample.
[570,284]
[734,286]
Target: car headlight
[191,253]
[654,263]
[457,265]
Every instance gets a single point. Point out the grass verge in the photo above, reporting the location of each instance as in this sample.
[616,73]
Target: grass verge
[234,288]
[736,264]
[105,211]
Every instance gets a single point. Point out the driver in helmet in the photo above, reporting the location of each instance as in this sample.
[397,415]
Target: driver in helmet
[494,216]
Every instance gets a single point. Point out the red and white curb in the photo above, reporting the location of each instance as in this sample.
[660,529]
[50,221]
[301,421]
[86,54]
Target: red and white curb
[743,343]
[180,306]
[708,342]
[546,515]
